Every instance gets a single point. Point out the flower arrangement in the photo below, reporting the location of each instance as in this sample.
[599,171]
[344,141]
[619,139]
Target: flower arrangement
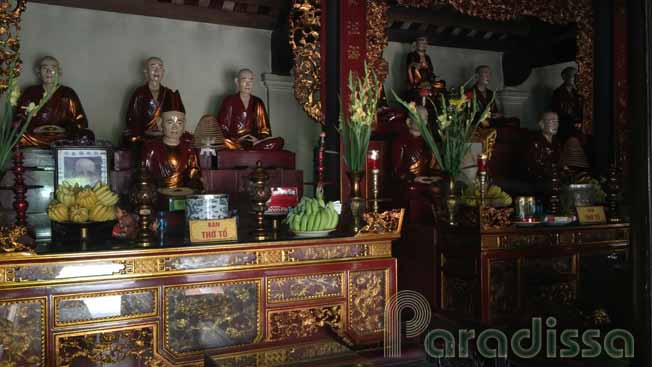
[12,130]
[454,127]
[355,124]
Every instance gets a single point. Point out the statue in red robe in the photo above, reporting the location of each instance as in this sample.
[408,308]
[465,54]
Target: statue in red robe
[243,119]
[171,160]
[62,117]
[144,109]
[544,149]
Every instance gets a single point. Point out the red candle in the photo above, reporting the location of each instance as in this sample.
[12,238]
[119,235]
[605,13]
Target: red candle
[372,160]
[482,163]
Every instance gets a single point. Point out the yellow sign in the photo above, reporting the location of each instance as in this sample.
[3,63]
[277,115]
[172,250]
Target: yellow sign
[591,214]
[215,230]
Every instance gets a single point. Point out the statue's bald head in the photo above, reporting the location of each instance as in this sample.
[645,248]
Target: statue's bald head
[48,70]
[154,70]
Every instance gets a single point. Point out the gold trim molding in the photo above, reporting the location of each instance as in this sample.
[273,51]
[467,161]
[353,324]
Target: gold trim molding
[174,264]
[24,340]
[305,41]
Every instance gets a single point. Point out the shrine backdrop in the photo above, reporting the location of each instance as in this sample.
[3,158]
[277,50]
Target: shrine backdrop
[102,53]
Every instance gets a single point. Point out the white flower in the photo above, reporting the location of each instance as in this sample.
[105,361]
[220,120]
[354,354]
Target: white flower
[30,109]
[14,95]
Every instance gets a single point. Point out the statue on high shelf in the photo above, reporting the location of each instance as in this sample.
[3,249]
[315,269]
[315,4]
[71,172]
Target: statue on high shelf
[484,95]
[61,118]
[567,103]
[171,160]
[144,108]
[422,81]
[243,119]
[545,149]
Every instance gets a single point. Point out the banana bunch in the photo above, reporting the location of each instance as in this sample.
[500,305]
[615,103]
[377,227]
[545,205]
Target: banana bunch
[495,196]
[78,214]
[104,194]
[57,211]
[83,204]
[313,215]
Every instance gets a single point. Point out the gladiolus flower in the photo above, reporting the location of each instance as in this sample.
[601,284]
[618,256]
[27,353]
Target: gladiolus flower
[31,108]
[14,95]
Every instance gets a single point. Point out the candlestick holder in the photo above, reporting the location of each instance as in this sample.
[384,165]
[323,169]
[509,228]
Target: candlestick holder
[482,178]
[143,198]
[20,190]
[374,168]
[259,193]
[613,188]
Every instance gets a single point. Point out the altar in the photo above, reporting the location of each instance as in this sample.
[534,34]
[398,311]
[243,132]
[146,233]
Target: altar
[172,303]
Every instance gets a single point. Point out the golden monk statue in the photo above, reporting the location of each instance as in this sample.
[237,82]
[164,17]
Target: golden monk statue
[171,160]
[243,118]
[411,157]
[144,109]
[62,117]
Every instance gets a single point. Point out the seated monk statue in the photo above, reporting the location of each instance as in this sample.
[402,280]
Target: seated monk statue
[243,119]
[567,103]
[62,117]
[171,160]
[144,108]
[544,149]
[411,158]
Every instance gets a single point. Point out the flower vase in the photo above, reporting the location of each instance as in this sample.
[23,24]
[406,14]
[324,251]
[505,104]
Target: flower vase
[452,201]
[357,202]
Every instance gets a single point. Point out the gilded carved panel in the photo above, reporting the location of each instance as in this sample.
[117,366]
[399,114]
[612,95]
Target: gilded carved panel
[105,306]
[22,332]
[457,294]
[303,322]
[303,287]
[327,252]
[283,356]
[368,293]
[211,315]
[503,287]
[127,346]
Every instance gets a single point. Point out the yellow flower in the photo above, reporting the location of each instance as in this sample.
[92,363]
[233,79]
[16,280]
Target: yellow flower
[459,103]
[412,107]
[360,116]
[30,109]
[14,95]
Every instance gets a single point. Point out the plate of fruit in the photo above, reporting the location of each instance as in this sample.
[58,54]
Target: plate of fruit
[312,217]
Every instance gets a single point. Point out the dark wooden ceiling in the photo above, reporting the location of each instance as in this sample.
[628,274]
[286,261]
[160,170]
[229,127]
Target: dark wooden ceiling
[262,14]
[444,26]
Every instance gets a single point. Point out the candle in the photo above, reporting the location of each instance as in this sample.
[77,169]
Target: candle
[372,160]
[482,163]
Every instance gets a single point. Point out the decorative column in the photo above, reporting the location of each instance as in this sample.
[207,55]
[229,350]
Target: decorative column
[20,189]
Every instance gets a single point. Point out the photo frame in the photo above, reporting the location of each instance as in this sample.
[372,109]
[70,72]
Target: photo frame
[82,165]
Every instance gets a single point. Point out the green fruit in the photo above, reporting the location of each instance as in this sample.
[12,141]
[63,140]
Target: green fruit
[321,203]
[311,221]
[304,223]
[319,223]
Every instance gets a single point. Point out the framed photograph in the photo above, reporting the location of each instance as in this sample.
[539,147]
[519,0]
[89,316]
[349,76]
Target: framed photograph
[84,166]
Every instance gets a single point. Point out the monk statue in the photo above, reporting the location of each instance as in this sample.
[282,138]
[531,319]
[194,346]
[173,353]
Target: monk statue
[144,109]
[544,149]
[411,158]
[61,118]
[420,67]
[484,95]
[567,103]
[171,159]
[243,118]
